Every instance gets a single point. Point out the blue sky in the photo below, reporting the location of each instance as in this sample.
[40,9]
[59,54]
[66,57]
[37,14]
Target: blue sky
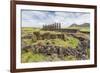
[31,18]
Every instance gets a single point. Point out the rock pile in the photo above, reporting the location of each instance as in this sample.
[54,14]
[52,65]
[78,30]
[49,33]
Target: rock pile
[49,50]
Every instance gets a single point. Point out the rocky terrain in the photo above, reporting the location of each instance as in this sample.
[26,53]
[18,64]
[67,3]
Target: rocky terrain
[55,52]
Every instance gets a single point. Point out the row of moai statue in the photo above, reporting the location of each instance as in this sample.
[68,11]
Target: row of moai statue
[55,26]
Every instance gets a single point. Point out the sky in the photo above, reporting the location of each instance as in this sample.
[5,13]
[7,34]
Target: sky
[37,18]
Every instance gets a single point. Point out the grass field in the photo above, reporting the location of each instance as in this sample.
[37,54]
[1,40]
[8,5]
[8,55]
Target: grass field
[68,42]
[84,29]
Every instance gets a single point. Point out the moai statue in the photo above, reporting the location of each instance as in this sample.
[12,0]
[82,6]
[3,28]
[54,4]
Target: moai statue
[53,26]
[48,27]
[43,27]
[56,25]
[59,25]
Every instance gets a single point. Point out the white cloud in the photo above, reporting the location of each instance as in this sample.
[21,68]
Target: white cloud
[32,18]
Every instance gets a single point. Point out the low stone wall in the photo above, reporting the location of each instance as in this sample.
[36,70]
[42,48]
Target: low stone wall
[48,36]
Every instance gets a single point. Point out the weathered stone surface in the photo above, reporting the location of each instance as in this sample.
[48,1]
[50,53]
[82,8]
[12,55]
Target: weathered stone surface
[48,35]
[29,36]
[59,51]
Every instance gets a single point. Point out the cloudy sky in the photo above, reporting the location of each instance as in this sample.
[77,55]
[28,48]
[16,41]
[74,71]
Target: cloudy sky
[31,18]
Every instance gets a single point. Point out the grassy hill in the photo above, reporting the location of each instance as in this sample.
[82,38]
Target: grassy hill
[83,27]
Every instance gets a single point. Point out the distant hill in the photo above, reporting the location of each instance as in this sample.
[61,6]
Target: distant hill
[73,25]
[82,25]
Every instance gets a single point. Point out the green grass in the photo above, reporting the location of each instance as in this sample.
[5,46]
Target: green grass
[68,58]
[72,42]
[27,57]
[56,42]
[30,57]
[83,29]
[29,30]
[50,32]
[88,53]
[28,41]
[86,29]
[59,42]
